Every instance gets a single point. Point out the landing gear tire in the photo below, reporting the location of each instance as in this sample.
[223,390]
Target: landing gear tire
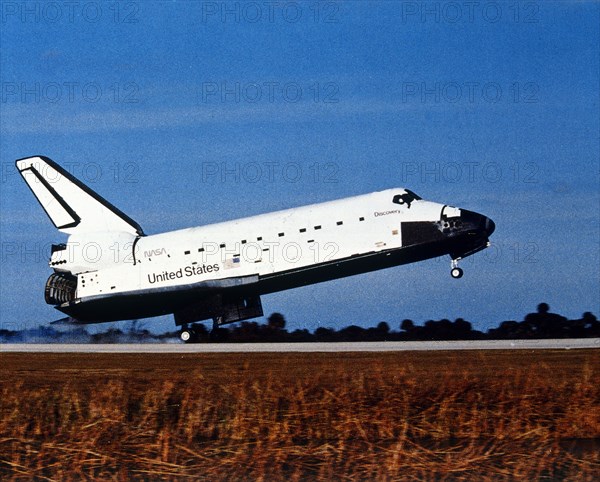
[456,273]
[189,334]
[186,335]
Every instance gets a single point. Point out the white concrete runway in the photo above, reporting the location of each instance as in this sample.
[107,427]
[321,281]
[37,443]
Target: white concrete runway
[306,347]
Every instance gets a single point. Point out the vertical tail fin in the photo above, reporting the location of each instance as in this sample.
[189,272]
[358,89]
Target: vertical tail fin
[71,205]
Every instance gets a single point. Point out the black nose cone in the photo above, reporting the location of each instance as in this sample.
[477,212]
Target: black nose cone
[477,222]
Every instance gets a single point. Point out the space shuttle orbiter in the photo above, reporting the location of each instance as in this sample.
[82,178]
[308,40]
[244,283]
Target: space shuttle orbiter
[110,270]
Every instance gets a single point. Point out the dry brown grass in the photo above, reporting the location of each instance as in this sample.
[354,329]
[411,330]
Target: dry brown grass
[381,416]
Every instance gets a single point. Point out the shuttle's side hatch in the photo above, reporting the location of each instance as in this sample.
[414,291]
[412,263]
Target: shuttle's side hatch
[60,288]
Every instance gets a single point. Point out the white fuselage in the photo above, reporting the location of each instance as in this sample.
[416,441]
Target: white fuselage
[110,270]
[259,245]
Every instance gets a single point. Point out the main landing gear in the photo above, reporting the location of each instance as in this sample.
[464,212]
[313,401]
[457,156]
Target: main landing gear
[193,333]
[196,333]
[187,335]
[455,271]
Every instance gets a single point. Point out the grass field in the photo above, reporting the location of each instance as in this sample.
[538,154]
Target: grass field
[496,415]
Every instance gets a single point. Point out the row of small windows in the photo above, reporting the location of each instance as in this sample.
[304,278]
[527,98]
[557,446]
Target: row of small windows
[259,238]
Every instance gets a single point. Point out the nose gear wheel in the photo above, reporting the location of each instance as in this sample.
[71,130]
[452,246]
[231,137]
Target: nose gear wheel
[455,271]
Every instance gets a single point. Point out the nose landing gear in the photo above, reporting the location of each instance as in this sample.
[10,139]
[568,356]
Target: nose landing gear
[455,271]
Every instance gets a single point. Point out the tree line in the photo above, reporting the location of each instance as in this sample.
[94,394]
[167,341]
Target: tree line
[537,325]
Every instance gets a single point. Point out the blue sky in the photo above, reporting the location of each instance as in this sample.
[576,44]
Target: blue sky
[187,113]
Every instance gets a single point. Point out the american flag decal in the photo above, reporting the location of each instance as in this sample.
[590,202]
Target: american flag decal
[232,263]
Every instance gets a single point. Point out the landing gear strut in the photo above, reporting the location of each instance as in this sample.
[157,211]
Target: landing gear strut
[455,271]
[215,333]
[192,334]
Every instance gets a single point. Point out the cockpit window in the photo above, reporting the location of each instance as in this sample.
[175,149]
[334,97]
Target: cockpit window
[415,196]
[406,198]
